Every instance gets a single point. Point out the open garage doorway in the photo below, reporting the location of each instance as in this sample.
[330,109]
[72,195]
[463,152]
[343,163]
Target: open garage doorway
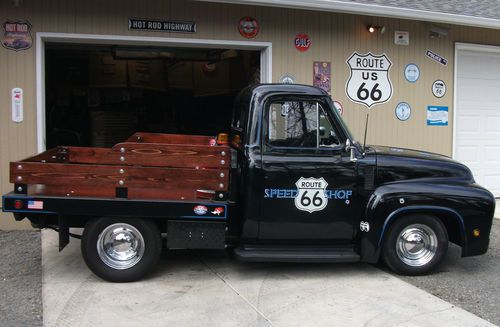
[99,95]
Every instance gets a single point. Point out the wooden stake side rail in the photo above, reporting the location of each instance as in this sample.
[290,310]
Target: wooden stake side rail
[153,154]
[169,139]
[145,170]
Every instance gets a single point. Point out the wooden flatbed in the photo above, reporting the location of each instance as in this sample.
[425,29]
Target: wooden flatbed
[146,166]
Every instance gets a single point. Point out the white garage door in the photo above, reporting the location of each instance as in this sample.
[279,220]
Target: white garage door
[477,127]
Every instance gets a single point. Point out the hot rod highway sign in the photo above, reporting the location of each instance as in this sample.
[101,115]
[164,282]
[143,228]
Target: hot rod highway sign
[369,81]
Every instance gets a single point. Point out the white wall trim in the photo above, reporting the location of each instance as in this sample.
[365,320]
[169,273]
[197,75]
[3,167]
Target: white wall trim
[372,10]
[43,37]
[464,47]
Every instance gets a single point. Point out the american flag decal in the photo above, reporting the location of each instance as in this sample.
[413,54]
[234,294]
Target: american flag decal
[38,205]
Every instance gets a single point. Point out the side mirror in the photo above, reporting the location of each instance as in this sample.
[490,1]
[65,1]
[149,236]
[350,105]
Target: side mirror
[352,149]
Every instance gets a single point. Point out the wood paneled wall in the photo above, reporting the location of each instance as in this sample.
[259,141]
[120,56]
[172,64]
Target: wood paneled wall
[334,38]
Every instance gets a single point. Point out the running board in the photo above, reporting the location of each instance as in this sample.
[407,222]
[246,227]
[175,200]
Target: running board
[295,254]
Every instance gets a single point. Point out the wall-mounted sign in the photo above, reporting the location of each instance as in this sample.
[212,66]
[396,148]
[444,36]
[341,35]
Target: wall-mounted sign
[322,75]
[369,82]
[412,73]
[403,111]
[302,42]
[439,88]
[437,116]
[287,79]
[436,57]
[401,37]
[17,35]
[17,105]
[248,27]
[337,105]
[154,25]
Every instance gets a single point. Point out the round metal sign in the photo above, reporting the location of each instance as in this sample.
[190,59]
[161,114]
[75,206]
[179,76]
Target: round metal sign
[302,42]
[412,73]
[248,27]
[287,79]
[337,105]
[439,88]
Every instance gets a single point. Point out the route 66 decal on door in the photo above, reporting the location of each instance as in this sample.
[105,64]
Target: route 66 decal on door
[311,194]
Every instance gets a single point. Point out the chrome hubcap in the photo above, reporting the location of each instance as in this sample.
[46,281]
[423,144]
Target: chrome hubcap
[120,246]
[416,245]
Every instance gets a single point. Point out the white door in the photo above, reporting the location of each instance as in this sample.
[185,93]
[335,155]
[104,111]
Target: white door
[477,125]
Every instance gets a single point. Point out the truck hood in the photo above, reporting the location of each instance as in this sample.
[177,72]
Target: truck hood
[396,164]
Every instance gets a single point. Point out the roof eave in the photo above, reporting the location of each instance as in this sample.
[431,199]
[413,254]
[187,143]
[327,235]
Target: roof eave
[372,10]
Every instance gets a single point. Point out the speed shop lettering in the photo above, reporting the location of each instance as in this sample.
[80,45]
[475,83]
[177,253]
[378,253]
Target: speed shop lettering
[280,193]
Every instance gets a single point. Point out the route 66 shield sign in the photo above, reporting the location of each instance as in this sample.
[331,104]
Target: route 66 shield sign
[369,81]
[311,194]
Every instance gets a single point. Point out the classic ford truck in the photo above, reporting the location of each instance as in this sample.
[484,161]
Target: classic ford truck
[288,184]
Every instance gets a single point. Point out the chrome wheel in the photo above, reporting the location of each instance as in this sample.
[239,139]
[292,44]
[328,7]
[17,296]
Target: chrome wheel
[416,245]
[120,246]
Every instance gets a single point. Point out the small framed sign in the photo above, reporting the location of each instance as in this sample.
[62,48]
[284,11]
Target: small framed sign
[322,75]
[401,38]
[154,25]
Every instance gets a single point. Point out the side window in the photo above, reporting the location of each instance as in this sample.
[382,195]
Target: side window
[299,124]
[327,135]
[293,124]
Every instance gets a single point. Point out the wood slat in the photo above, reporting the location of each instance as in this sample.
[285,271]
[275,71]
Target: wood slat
[134,193]
[170,138]
[75,175]
[153,154]
[48,156]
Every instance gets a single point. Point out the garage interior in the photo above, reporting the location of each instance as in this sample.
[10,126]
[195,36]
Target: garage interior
[99,95]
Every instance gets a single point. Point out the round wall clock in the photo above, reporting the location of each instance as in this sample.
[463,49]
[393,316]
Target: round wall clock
[403,111]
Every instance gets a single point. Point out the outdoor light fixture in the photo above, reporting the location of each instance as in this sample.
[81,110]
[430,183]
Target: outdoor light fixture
[437,32]
[373,29]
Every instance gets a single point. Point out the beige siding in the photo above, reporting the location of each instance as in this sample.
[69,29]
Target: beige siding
[334,38]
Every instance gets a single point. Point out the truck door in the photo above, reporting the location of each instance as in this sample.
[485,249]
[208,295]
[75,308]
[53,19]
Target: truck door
[308,180]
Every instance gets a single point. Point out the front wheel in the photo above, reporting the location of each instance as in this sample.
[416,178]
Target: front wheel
[415,245]
[121,249]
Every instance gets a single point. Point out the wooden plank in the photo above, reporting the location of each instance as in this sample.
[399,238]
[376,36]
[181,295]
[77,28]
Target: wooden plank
[48,156]
[153,154]
[134,193]
[170,138]
[75,175]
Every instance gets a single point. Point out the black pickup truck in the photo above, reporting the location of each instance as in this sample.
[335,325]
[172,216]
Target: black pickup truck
[294,187]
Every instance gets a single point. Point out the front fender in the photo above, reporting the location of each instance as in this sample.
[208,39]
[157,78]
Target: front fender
[461,207]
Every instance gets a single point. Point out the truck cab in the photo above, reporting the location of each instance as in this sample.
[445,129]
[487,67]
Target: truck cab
[288,184]
[308,191]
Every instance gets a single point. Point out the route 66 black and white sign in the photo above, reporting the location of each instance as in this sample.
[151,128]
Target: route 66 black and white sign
[369,81]
[311,194]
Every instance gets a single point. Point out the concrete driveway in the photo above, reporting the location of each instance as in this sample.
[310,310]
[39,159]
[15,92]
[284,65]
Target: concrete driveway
[209,289]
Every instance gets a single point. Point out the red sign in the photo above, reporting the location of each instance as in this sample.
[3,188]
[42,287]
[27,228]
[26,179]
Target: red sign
[302,42]
[248,27]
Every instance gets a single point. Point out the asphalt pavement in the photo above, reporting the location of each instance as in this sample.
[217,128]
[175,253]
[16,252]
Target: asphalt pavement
[20,279]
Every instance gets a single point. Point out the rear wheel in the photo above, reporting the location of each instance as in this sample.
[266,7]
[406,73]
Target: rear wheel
[415,244]
[121,249]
